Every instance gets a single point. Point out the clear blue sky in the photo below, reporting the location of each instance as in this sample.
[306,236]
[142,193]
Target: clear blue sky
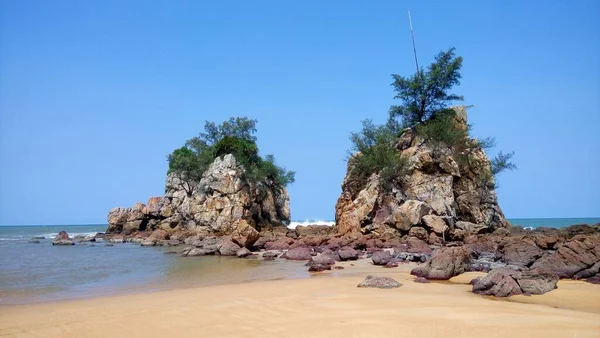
[95,94]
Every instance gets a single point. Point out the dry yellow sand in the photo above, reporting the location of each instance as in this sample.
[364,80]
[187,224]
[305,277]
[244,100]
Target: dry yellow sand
[326,306]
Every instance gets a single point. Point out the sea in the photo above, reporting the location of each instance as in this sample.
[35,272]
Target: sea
[40,272]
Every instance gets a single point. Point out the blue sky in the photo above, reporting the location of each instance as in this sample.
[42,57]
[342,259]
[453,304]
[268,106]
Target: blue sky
[95,94]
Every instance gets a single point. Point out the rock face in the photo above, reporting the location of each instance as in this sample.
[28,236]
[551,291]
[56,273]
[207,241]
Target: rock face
[222,204]
[379,282]
[440,195]
[445,263]
[505,282]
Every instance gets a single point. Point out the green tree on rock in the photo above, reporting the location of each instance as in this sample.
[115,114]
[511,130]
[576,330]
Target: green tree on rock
[234,136]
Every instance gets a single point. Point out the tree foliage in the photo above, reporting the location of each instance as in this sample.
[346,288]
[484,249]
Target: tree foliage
[425,106]
[376,152]
[234,136]
[426,93]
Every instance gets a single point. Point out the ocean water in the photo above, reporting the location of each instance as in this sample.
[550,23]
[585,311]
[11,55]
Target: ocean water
[42,272]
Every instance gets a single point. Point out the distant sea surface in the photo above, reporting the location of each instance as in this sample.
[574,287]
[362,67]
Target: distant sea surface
[42,272]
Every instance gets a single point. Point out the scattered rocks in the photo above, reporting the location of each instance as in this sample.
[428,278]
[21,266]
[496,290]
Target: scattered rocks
[381,282]
[62,239]
[445,263]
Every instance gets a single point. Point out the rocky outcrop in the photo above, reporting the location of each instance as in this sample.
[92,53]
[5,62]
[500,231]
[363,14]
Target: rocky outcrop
[577,258]
[222,204]
[441,196]
[62,239]
[505,282]
[445,263]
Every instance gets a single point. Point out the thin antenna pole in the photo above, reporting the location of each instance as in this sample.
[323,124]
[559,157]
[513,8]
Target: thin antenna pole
[412,35]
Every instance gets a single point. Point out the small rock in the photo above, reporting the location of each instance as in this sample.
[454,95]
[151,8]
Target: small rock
[269,255]
[298,254]
[108,244]
[171,253]
[338,267]
[38,237]
[381,257]
[348,254]
[228,248]
[390,265]
[34,242]
[62,239]
[318,267]
[379,282]
[243,252]
[421,280]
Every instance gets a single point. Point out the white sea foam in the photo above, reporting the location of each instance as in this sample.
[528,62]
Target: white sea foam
[294,224]
[71,234]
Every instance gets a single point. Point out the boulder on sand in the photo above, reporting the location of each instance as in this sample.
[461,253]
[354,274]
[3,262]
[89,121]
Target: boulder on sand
[348,254]
[380,282]
[62,239]
[444,263]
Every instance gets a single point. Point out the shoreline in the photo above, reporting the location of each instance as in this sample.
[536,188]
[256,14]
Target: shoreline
[326,304]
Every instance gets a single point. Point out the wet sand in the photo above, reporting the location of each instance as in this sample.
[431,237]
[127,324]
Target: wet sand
[327,305]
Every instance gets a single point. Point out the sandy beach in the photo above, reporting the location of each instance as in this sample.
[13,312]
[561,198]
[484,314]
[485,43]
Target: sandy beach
[327,305]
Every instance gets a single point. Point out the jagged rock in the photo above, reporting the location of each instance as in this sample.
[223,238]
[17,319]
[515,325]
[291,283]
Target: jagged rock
[518,252]
[505,282]
[577,255]
[380,282]
[244,234]
[62,239]
[435,223]
[418,232]
[470,228]
[444,263]
[381,257]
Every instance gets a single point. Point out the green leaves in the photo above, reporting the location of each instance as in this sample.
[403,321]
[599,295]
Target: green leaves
[234,136]
[426,93]
[377,153]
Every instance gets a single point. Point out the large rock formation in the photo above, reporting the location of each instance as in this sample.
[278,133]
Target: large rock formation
[440,195]
[222,204]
